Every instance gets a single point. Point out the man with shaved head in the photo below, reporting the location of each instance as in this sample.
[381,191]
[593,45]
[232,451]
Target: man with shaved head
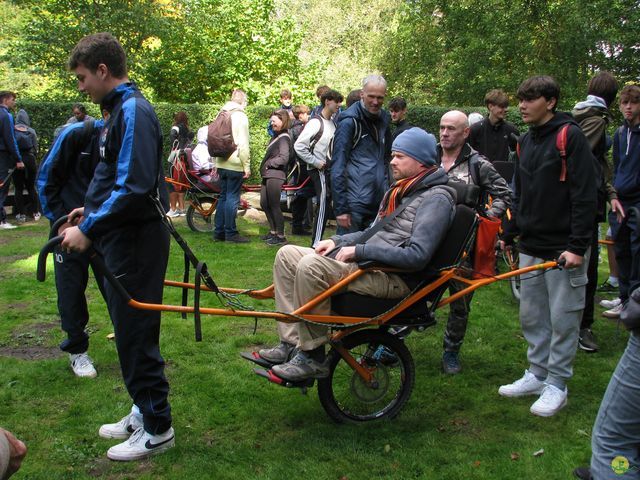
[463,164]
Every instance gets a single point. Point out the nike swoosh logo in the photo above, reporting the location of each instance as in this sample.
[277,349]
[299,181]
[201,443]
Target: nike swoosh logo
[151,446]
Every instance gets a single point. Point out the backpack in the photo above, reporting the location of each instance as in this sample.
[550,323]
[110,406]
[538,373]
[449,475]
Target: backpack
[220,135]
[24,138]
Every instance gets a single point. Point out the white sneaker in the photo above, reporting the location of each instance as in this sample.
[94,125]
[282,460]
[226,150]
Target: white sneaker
[141,445]
[6,226]
[551,400]
[527,385]
[610,303]
[124,428]
[613,313]
[173,214]
[82,365]
[36,216]
[182,213]
[20,218]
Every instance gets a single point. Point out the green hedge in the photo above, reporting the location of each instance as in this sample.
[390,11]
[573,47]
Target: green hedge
[46,116]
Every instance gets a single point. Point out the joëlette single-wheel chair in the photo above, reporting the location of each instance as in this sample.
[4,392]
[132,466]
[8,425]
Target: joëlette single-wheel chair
[202,191]
[372,372]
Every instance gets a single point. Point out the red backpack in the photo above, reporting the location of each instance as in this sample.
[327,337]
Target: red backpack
[220,135]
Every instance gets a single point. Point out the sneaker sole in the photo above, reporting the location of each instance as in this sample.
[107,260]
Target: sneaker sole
[586,349]
[102,433]
[121,457]
[549,414]
[87,375]
[611,317]
[517,395]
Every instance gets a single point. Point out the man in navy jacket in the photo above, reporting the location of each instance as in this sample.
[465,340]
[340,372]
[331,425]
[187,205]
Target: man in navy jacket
[359,165]
[9,154]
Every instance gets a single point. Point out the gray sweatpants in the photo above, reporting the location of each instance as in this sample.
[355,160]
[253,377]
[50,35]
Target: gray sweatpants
[551,305]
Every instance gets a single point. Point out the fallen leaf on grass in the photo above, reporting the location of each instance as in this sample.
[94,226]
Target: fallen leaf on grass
[476,463]
[583,433]
[387,448]
[539,453]
[515,456]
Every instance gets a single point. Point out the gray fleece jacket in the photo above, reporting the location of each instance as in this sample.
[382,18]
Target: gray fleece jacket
[410,240]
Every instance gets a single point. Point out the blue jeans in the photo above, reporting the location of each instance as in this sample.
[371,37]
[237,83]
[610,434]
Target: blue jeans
[616,433]
[626,238]
[227,207]
[359,222]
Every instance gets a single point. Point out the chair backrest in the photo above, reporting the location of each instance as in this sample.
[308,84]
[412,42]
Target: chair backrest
[505,169]
[457,239]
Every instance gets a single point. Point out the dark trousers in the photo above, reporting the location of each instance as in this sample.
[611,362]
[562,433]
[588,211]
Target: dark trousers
[592,282]
[270,203]
[459,310]
[626,245]
[72,275]
[5,165]
[25,179]
[137,255]
[227,206]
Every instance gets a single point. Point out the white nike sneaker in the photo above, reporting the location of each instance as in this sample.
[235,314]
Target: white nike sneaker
[142,445]
[124,428]
[550,402]
[82,365]
[527,385]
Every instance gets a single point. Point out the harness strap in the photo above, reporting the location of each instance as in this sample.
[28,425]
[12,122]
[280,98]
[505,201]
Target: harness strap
[561,145]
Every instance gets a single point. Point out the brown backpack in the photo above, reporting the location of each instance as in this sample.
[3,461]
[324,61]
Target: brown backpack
[220,136]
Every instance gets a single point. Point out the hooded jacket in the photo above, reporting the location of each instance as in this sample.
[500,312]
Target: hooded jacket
[130,170]
[593,116]
[359,176]
[626,163]
[410,240]
[554,216]
[493,141]
[23,125]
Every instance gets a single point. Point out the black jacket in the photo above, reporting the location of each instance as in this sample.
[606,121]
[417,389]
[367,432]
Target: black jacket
[276,158]
[130,168]
[493,141]
[554,216]
[7,136]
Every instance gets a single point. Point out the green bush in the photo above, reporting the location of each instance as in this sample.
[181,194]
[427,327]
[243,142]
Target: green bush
[46,116]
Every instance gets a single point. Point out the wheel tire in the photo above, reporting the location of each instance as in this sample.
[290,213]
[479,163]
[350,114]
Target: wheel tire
[344,395]
[196,220]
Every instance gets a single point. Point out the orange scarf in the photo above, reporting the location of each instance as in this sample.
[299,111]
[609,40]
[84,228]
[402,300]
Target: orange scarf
[401,189]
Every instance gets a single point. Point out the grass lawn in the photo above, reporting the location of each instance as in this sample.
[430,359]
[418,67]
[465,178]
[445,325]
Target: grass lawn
[231,424]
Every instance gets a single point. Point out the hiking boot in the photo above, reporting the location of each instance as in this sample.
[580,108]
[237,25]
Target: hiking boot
[82,365]
[237,239]
[277,240]
[124,428]
[550,402]
[613,313]
[278,354]
[301,367]
[527,385]
[451,363]
[6,226]
[218,238]
[609,304]
[587,341]
[583,473]
[142,444]
[607,286]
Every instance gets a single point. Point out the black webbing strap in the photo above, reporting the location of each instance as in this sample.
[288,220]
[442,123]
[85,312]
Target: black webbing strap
[197,324]
[185,279]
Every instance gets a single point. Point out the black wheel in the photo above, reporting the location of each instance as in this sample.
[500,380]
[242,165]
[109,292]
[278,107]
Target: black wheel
[346,397]
[197,220]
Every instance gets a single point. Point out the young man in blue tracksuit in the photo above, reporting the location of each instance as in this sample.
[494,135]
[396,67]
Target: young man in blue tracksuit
[361,153]
[121,217]
[9,154]
[62,182]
